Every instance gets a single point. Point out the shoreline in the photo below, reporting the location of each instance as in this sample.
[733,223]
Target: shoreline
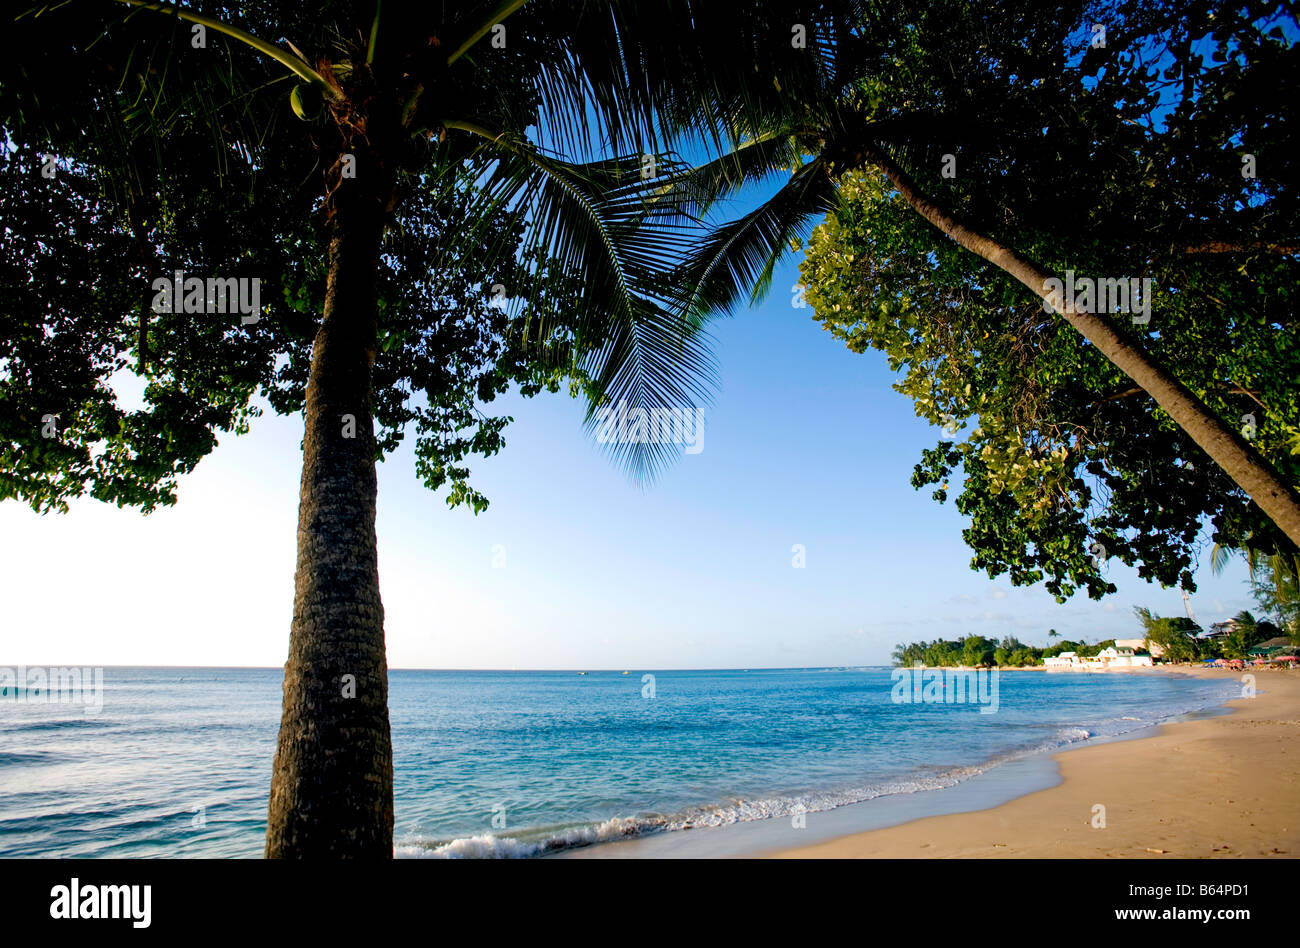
[993,784]
[1221,786]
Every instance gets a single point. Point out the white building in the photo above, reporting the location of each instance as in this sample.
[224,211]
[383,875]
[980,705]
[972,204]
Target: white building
[1064,660]
[1141,645]
[1119,656]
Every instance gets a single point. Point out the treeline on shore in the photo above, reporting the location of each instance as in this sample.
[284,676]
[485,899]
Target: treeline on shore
[1178,639]
[978,651]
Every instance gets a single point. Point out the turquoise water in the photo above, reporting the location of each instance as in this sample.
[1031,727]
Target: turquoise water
[178,761]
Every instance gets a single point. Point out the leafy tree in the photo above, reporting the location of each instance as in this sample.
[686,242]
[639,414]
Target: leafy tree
[1066,645]
[1274,580]
[973,650]
[977,650]
[1060,471]
[1021,97]
[374,170]
[1059,475]
[1025,657]
[1266,630]
[1177,635]
[1008,647]
[1244,636]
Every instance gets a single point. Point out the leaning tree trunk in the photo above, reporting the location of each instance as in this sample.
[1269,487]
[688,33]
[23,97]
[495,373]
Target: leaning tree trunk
[332,785]
[1239,460]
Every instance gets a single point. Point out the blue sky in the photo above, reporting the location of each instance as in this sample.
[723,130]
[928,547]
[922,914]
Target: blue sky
[806,444]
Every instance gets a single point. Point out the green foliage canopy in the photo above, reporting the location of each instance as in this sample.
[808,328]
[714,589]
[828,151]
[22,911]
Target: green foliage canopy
[1105,165]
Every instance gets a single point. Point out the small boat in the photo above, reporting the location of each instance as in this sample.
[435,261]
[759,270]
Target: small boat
[624,673]
[582,673]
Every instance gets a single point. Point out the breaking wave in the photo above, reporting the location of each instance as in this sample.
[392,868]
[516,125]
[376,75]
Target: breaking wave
[543,842]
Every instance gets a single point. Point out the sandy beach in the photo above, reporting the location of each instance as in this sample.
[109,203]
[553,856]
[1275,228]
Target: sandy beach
[1227,786]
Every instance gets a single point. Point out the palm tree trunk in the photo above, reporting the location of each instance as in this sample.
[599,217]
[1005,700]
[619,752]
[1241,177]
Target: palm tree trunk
[332,785]
[1246,466]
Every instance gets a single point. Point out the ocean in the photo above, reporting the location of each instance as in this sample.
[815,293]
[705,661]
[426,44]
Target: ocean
[498,763]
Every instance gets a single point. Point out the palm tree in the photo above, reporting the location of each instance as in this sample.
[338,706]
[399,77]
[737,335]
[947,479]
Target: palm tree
[1244,635]
[811,142]
[1274,577]
[1245,620]
[404,101]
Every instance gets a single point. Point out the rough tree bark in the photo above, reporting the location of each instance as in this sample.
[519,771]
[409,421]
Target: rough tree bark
[332,784]
[1239,460]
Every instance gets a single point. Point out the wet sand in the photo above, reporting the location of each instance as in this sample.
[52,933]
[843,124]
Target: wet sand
[1222,786]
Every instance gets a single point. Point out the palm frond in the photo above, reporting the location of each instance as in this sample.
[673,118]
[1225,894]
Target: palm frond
[1220,557]
[613,230]
[290,61]
[738,258]
[482,25]
[754,161]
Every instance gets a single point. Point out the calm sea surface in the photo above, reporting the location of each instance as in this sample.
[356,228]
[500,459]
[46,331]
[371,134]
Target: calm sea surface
[178,761]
